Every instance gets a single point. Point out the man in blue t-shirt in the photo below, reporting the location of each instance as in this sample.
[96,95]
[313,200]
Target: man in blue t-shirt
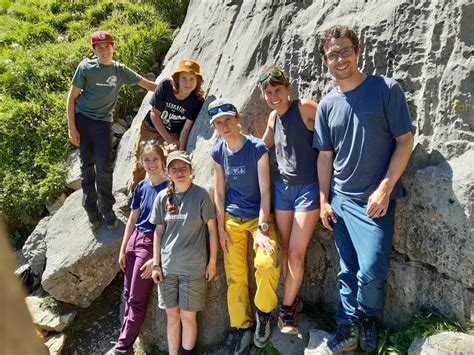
[363,132]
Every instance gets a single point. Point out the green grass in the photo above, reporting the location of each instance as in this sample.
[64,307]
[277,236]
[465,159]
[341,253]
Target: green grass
[51,304]
[41,44]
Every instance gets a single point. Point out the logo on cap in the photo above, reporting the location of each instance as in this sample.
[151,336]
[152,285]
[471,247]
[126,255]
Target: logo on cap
[188,64]
[101,35]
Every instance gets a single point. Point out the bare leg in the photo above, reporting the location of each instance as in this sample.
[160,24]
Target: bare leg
[173,330]
[302,228]
[284,221]
[188,319]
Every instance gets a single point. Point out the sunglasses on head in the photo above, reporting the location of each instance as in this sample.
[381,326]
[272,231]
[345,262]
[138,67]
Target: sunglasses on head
[273,73]
[152,142]
[222,108]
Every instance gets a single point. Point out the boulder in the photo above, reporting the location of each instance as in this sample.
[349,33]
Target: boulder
[81,262]
[73,178]
[44,316]
[443,343]
[55,343]
[317,344]
[34,249]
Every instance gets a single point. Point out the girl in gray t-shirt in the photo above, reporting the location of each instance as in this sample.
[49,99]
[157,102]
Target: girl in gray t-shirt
[184,215]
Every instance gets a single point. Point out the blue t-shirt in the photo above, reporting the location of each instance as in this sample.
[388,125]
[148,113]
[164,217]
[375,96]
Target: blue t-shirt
[143,198]
[360,126]
[242,198]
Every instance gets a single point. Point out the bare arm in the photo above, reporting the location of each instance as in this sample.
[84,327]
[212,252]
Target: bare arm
[183,137]
[325,169]
[308,112]
[160,127]
[380,198]
[156,274]
[129,228]
[268,136]
[147,84]
[262,240]
[74,137]
[219,197]
[213,245]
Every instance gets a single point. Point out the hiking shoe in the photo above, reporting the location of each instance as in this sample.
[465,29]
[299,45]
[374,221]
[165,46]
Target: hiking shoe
[345,339]
[111,220]
[287,319]
[94,220]
[368,333]
[243,338]
[262,330]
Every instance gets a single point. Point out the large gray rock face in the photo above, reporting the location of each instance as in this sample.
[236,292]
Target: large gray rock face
[427,47]
[443,343]
[80,262]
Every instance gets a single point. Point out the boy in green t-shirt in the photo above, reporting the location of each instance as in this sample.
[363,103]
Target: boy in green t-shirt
[90,103]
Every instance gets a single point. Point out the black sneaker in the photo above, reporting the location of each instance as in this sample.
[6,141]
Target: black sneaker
[368,333]
[287,320]
[345,339]
[111,220]
[94,220]
[243,338]
[262,330]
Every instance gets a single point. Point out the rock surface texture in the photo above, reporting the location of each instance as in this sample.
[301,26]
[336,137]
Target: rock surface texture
[425,45]
[443,343]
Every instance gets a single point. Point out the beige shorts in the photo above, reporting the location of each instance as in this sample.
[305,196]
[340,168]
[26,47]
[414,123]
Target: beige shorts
[189,293]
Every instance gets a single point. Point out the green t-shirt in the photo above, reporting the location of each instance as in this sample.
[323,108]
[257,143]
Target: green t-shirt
[183,244]
[100,86]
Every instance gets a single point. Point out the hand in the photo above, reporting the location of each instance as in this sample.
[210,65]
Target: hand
[224,241]
[156,275]
[121,261]
[147,268]
[172,147]
[210,271]
[378,202]
[263,242]
[74,136]
[327,216]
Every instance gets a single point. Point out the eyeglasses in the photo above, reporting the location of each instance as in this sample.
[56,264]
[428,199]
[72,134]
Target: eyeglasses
[273,73]
[152,142]
[222,108]
[343,53]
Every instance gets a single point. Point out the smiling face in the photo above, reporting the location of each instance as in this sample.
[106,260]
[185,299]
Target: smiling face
[151,161]
[227,126]
[341,68]
[104,52]
[180,172]
[276,97]
[187,83]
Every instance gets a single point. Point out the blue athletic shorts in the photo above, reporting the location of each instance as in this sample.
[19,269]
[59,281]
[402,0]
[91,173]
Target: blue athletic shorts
[298,198]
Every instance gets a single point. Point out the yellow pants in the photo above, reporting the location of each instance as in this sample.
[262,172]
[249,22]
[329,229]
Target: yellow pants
[236,270]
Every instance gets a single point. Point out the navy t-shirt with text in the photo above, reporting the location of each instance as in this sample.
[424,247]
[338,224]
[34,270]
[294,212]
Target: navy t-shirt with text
[143,198]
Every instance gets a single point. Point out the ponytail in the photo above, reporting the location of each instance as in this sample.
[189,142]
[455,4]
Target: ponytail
[170,206]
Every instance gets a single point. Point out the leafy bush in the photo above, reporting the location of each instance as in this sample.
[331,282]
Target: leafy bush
[41,44]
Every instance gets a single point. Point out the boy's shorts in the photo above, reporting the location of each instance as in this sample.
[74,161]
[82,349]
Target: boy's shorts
[186,292]
[298,198]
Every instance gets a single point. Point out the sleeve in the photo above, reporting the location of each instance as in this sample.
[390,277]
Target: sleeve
[322,135]
[261,149]
[158,98]
[197,105]
[157,211]
[128,76]
[215,153]
[207,208]
[79,80]
[396,111]
[137,197]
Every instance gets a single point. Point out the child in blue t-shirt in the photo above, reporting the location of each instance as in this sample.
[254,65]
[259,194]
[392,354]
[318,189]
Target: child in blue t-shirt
[94,91]
[243,210]
[136,252]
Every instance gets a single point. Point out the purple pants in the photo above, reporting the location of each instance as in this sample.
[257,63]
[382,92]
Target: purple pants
[136,290]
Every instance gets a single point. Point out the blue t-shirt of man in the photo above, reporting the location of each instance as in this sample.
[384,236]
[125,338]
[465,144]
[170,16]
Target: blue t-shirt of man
[143,198]
[242,198]
[360,126]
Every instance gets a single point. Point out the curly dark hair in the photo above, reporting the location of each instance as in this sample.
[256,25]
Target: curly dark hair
[337,31]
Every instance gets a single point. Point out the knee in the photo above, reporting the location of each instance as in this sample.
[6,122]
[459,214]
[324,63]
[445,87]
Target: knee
[173,315]
[188,317]
[264,264]
[374,277]
[295,256]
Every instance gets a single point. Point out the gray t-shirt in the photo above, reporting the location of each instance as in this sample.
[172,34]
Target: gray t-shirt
[101,86]
[183,244]
[360,126]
